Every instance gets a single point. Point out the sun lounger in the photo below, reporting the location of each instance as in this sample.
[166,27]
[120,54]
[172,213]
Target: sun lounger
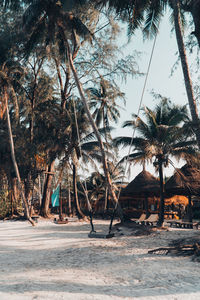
[141,219]
[183,224]
[151,220]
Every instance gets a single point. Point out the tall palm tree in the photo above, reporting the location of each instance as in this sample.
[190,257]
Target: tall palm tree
[52,135]
[54,20]
[185,68]
[161,136]
[9,73]
[193,7]
[103,103]
[147,14]
[105,110]
[84,144]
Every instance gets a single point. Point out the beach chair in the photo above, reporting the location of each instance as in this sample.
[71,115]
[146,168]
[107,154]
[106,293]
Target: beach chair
[151,220]
[141,219]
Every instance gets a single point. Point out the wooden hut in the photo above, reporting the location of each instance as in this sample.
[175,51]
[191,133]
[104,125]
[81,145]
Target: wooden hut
[142,193]
[185,181]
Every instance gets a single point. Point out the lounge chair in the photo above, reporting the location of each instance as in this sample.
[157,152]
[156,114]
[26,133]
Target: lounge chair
[151,220]
[141,219]
[184,224]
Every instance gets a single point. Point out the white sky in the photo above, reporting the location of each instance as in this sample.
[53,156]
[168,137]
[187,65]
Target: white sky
[159,80]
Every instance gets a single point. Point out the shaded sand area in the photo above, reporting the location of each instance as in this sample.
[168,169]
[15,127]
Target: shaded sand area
[52,261]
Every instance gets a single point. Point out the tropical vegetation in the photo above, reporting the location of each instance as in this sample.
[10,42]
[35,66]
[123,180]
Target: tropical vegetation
[59,98]
[161,135]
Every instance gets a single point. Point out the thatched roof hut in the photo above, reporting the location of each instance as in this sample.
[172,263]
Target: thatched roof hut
[185,181]
[143,184]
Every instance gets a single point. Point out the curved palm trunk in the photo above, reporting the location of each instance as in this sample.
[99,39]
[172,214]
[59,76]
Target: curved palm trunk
[185,68]
[79,213]
[44,211]
[106,199]
[91,120]
[162,199]
[194,9]
[26,208]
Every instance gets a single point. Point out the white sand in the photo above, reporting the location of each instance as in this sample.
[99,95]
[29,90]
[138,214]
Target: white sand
[53,261]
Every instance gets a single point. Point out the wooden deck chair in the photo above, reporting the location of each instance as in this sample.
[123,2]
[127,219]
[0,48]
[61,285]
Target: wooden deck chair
[141,219]
[152,219]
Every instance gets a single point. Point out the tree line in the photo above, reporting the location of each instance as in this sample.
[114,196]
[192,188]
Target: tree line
[59,62]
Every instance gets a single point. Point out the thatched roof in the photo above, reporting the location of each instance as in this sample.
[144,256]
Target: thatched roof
[185,181]
[143,184]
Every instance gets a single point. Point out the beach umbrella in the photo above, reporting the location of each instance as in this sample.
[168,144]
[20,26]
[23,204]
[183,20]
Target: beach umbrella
[185,181]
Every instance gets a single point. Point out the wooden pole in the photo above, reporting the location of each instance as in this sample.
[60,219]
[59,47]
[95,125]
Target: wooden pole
[60,205]
[189,208]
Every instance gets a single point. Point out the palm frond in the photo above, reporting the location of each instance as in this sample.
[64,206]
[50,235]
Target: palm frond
[132,157]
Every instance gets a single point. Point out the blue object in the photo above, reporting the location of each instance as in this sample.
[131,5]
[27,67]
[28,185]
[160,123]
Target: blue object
[55,197]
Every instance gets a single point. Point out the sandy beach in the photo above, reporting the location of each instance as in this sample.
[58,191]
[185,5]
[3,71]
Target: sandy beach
[51,261]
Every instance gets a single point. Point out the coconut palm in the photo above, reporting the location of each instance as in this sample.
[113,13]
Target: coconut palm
[9,74]
[161,136]
[51,21]
[103,103]
[193,7]
[84,144]
[147,14]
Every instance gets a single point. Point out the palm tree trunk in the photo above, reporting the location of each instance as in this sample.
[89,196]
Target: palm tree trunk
[91,120]
[44,211]
[185,68]
[162,200]
[69,195]
[76,202]
[195,10]
[12,149]
[106,199]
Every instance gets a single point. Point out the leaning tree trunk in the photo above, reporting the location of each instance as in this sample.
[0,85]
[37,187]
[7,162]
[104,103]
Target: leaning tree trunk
[106,199]
[195,12]
[79,213]
[162,199]
[91,120]
[26,208]
[44,211]
[185,68]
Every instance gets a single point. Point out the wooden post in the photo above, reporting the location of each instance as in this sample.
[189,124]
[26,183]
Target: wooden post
[190,208]
[146,205]
[60,205]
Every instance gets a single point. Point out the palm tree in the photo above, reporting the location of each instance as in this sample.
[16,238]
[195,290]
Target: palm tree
[85,147]
[103,103]
[162,135]
[193,7]
[52,135]
[185,68]
[9,73]
[54,20]
[105,110]
[148,14]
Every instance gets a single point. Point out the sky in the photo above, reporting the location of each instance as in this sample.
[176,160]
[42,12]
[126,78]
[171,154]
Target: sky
[159,80]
